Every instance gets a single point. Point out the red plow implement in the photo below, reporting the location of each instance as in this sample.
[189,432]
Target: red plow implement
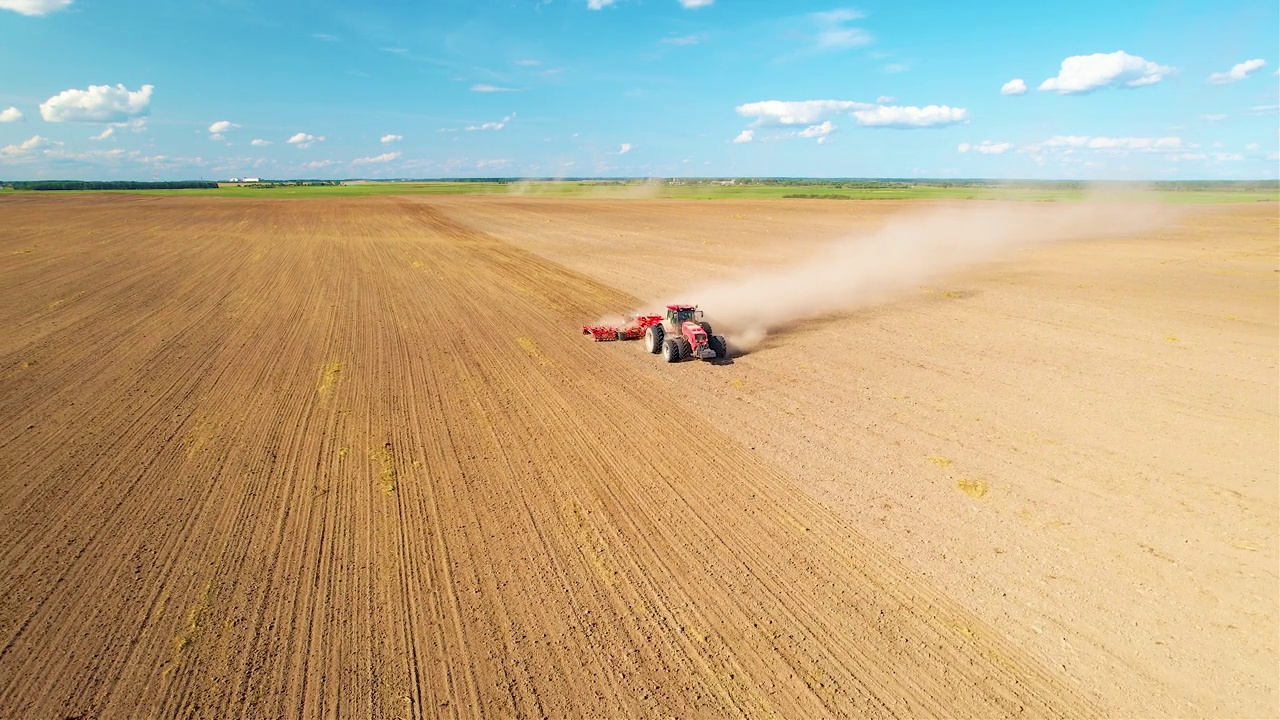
[634,329]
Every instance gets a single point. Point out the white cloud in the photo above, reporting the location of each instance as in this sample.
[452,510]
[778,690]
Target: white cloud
[894,68]
[259,142]
[1065,145]
[36,141]
[217,130]
[528,63]
[1085,73]
[818,131]
[90,156]
[692,4]
[497,162]
[389,138]
[834,33]
[104,134]
[598,4]
[1228,157]
[1237,72]
[744,137]
[626,148]
[117,158]
[1014,87]
[1252,146]
[492,125]
[885,99]
[802,112]
[986,147]
[138,125]
[99,103]
[486,88]
[910,116]
[1135,143]
[305,140]
[34,7]
[1214,118]
[318,164]
[383,158]
[326,37]
[815,114]
[681,40]
[11,114]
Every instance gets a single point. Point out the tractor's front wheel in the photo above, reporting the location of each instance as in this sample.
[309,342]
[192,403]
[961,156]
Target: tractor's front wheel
[653,339]
[671,350]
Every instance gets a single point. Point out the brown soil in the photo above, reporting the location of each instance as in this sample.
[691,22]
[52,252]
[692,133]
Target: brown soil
[351,457]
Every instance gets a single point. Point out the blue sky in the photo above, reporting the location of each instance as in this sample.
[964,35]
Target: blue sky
[483,88]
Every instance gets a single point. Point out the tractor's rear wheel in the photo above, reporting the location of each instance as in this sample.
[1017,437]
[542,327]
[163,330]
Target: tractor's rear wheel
[706,328]
[671,350]
[718,346]
[653,339]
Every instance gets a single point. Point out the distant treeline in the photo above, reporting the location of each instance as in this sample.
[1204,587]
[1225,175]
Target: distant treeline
[110,185]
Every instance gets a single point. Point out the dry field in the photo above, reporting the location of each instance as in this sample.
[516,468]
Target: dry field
[351,457]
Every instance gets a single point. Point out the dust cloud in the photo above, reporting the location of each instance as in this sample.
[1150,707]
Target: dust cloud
[880,266]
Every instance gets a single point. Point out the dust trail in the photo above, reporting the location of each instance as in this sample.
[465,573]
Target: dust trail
[879,266]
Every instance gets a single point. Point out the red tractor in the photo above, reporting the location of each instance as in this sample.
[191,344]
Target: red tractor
[680,335]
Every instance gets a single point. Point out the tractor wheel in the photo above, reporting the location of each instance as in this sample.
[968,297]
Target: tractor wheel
[671,350]
[719,346]
[622,335]
[686,350]
[706,328]
[653,339]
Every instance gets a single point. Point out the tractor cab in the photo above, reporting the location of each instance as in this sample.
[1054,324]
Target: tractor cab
[678,315]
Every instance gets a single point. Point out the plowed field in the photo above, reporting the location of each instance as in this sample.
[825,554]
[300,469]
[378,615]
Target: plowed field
[351,457]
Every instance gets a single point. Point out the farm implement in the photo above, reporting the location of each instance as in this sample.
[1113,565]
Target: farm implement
[678,335]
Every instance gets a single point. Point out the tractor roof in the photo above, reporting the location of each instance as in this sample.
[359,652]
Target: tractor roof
[682,307]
